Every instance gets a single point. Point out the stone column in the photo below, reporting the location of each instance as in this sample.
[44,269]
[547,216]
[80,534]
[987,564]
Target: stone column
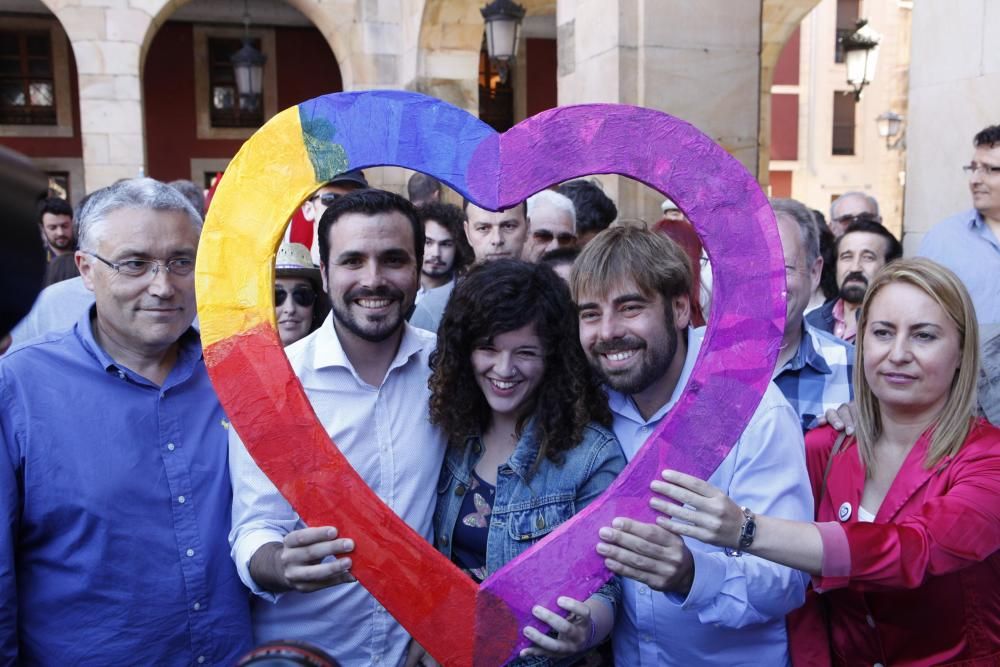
[107,42]
[698,61]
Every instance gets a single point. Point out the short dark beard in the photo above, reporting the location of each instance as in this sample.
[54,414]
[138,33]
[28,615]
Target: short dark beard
[655,366]
[383,330]
[853,293]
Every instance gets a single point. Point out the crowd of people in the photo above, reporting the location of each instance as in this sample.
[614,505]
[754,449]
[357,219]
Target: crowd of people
[489,374]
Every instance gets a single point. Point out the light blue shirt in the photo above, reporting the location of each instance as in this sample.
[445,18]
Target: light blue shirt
[735,611]
[57,307]
[965,244]
[385,434]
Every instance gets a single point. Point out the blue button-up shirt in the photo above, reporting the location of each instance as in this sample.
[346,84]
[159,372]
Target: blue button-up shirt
[734,613]
[115,500]
[965,244]
[818,377]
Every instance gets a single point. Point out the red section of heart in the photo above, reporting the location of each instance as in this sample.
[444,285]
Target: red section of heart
[434,600]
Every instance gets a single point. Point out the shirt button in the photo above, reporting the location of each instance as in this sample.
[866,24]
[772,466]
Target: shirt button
[201,660]
[540,523]
[190,552]
[878,664]
[476,448]
[170,447]
[460,490]
[197,606]
[871,621]
[643,590]
[181,499]
[121,375]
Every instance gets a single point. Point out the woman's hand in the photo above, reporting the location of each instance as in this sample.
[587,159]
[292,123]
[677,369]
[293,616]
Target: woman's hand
[575,632]
[710,515]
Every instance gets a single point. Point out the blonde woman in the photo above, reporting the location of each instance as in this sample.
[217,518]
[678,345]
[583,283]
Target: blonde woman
[904,551]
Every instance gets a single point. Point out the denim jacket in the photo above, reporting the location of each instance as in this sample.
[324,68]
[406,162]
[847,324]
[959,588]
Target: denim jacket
[527,507]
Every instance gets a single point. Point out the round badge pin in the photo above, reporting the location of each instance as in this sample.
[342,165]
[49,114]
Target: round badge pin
[844,512]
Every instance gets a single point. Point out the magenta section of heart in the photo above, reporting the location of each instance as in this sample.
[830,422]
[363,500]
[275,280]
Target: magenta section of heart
[737,227]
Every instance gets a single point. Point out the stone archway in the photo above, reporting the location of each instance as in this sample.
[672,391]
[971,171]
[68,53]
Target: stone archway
[779,20]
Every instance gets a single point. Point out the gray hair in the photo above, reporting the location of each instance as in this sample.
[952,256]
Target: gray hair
[872,202]
[133,193]
[554,200]
[808,227]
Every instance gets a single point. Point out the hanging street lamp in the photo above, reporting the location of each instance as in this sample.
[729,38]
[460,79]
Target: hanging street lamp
[503,29]
[248,67]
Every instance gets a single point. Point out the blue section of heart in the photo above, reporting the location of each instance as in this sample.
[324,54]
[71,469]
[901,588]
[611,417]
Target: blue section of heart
[387,127]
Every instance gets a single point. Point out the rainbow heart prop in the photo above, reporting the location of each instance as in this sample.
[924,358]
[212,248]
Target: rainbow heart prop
[302,147]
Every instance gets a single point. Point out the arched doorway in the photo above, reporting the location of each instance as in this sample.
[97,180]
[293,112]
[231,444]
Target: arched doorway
[193,121]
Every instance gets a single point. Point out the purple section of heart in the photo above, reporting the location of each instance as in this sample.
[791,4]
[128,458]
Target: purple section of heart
[737,227]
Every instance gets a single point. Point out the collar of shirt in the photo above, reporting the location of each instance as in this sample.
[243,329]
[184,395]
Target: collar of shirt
[189,353]
[977,224]
[842,328]
[327,352]
[807,354]
[623,405]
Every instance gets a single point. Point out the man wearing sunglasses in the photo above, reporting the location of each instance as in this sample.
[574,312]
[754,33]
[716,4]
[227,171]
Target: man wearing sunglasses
[851,207]
[114,485]
[551,224]
[317,203]
[968,243]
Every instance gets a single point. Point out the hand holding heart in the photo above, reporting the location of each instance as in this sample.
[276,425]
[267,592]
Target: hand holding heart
[303,561]
[704,512]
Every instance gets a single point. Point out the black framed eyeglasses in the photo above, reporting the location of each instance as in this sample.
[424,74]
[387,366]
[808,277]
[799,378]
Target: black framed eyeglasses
[303,296]
[136,268]
[985,169]
[327,198]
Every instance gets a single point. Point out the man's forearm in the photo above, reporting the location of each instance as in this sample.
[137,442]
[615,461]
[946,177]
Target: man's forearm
[266,570]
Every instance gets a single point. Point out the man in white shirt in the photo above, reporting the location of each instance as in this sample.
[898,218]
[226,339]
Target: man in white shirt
[684,603]
[365,372]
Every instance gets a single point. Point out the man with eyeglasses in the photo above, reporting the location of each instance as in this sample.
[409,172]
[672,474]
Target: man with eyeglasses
[314,207]
[968,243]
[114,485]
[551,224]
[851,207]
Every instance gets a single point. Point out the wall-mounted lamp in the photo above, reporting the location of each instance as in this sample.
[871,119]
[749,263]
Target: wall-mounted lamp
[861,56]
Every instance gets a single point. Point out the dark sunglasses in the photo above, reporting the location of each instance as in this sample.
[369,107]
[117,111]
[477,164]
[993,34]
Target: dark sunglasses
[327,198]
[857,217]
[545,236]
[303,296]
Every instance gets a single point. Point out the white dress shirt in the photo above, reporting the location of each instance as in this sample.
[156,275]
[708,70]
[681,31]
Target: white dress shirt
[385,434]
[734,613]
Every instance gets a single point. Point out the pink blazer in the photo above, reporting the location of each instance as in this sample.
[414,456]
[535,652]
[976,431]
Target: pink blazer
[920,585]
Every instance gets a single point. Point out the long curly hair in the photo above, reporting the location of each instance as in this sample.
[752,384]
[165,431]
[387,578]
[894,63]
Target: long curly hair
[495,298]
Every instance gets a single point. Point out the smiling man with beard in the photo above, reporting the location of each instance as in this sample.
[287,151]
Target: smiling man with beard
[364,370]
[865,247]
[684,603]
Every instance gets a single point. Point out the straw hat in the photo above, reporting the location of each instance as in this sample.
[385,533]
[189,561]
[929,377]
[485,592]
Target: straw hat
[294,261]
